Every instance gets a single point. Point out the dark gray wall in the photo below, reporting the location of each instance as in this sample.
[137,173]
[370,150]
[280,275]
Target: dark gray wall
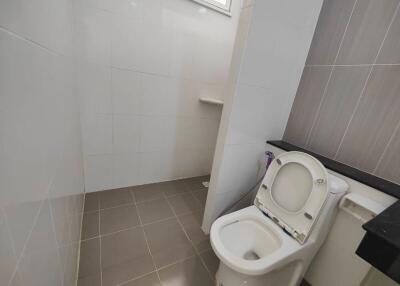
[347,105]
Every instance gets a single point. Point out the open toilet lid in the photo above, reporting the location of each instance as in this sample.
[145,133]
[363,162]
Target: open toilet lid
[293,192]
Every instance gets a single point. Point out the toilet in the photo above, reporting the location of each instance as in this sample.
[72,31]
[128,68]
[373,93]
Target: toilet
[272,242]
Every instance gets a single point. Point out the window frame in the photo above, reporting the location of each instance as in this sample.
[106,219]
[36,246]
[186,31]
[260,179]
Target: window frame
[212,4]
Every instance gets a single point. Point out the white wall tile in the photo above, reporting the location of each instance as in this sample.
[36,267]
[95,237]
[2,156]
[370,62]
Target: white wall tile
[93,28]
[126,133]
[127,92]
[94,88]
[126,169]
[40,138]
[8,259]
[160,96]
[51,27]
[21,219]
[182,54]
[254,107]
[98,172]
[127,38]
[128,8]
[158,133]
[158,166]
[41,253]
[97,133]
[208,64]
[155,49]
[276,43]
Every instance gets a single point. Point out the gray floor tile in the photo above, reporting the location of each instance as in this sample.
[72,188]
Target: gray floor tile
[114,198]
[120,273]
[173,187]
[168,243]
[91,202]
[201,197]
[192,224]
[118,218]
[90,225]
[147,193]
[89,263]
[122,246]
[196,183]
[211,261]
[148,280]
[93,280]
[154,210]
[190,272]
[184,203]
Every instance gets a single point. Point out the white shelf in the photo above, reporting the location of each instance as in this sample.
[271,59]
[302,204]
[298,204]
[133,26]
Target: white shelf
[209,100]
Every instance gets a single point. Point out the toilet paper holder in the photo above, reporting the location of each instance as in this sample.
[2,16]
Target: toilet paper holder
[360,207]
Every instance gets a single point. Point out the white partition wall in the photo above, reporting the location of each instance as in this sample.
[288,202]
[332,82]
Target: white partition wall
[271,47]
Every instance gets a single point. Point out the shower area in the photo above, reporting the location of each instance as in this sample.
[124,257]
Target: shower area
[104,143]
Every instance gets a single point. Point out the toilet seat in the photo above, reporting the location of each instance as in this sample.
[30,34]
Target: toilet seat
[293,192]
[286,250]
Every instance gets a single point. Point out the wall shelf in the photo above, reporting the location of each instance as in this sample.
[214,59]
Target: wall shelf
[209,100]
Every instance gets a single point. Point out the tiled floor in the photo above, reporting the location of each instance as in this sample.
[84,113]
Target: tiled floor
[146,236]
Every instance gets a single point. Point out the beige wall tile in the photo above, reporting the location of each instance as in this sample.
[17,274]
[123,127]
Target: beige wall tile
[330,29]
[366,31]
[308,97]
[389,167]
[390,53]
[374,120]
[343,91]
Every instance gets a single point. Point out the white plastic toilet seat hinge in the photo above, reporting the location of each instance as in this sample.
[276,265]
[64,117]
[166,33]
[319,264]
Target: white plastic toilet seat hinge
[299,236]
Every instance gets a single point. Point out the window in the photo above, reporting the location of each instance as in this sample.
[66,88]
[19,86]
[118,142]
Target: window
[223,6]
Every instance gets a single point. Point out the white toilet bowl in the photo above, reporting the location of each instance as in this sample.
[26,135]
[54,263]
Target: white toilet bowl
[273,242]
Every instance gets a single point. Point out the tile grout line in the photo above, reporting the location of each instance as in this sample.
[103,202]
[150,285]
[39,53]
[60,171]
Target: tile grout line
[138,203]
[125,229]
[26,242]
[197,251]
[53,226]
[367,80]
[82,213]
[386,148]
[191,242]
[31,42]
[136,226]
[317,113]
[145,237]
[136,278]
[118,206]
[99,229]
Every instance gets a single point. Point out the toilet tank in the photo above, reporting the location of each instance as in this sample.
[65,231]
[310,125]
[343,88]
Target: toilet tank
[337,189]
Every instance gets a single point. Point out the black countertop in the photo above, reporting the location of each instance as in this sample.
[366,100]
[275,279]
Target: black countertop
[381,245]
[387,225]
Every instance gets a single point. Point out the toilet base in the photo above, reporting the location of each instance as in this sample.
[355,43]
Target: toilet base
[290,275]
